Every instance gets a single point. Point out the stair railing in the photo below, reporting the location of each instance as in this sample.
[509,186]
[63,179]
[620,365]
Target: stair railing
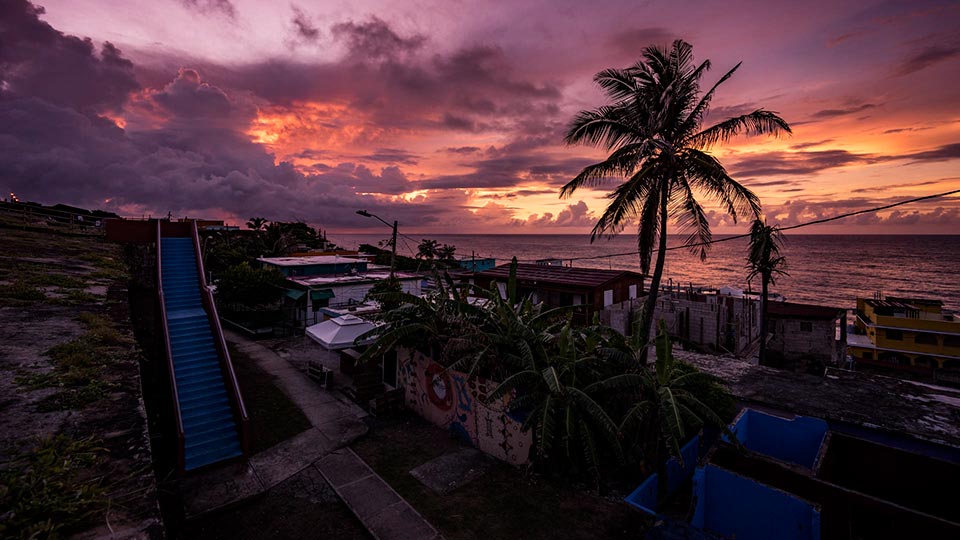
[168,354]
[226,365]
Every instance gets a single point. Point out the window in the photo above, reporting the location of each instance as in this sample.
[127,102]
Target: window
[632,291]
[923,338]
[607,297]
[577,299]
[806,326]
[951,341]
[867,355]
[895,335]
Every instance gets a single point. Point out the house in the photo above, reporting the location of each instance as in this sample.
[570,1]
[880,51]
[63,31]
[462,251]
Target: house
[724,320]
[907,335]
[477,264]
[315,265]
[806,337]
[311,294]
[592,289]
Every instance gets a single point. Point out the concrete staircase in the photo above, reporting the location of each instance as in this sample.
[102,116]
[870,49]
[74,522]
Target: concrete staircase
[210,432]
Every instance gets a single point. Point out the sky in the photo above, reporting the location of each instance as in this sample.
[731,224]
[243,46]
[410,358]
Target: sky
[449,115]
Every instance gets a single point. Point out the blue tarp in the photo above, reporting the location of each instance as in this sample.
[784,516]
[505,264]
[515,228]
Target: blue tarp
[737,507]
[645,496]
[794,441]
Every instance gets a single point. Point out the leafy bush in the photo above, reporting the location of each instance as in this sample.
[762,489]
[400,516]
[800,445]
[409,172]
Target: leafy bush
[243,284]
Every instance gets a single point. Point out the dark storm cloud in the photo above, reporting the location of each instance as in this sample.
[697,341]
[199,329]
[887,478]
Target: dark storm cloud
[188,97]
[897,186]
[374,39]
[943,153]
[303,27]
[805,145]
[771,183]
[832,113]
[510,170]
[797,163]
[392,155]
[37,60]
[461,150]
[815,161]
[223,7]
[927,56]
[473,89]
[195,158]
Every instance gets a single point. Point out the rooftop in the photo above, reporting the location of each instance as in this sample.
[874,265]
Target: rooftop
[314,281]
[310,260]
[923,411]
[803,311]
[559,275]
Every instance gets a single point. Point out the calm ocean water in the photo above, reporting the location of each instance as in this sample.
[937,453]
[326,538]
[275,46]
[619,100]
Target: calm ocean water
[824,269]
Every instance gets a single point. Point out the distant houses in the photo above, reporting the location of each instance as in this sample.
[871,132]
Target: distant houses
[588,290]
[317,282]
[907,335]
[806,337]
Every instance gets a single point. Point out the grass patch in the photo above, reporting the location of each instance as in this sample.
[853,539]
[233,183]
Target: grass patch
[75,398]
[78,366]
[503,503]
[51,491]
[273,417]
[20,294]
[74,297]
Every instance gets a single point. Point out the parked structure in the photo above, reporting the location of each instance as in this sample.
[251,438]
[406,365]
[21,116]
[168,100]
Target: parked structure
[907,334]
[592,289]
[806,337]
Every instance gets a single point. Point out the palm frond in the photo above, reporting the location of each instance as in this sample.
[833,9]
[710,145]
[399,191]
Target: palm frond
[759,122]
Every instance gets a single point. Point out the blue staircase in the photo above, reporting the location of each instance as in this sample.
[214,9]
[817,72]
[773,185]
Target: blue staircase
[209,429]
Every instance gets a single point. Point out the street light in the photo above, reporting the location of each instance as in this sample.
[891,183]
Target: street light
[393,244]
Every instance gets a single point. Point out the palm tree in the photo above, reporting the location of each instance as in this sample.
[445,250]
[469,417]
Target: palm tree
[256,223]
[447,252]
[764,259]
[653,129]
[427,249]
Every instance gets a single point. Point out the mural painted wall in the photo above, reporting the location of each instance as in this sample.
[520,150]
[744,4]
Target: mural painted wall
[449,399]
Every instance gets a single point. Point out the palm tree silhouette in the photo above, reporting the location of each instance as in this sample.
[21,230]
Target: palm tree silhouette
[653,128]
[764,259]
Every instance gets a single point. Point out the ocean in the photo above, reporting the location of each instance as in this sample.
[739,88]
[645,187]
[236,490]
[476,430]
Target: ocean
[823,269]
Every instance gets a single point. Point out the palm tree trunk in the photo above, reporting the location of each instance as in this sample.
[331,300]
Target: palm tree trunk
[651,303]
[763,319]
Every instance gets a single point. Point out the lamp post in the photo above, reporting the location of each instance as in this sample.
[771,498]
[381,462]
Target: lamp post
[393,243]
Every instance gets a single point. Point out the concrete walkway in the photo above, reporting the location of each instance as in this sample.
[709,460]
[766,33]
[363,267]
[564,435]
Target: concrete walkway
[381,509]
[337,422]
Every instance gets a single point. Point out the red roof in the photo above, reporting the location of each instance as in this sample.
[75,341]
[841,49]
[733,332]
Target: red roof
[560,275]
[803,311]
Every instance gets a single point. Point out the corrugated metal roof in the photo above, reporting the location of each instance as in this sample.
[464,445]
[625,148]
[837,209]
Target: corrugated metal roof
[559,275]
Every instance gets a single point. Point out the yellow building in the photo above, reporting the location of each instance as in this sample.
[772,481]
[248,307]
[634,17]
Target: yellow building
[908,334]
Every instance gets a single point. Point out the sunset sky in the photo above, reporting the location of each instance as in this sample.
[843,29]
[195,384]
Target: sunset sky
[449,115]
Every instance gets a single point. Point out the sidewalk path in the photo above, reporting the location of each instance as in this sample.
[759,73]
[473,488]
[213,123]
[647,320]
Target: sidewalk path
[337,422]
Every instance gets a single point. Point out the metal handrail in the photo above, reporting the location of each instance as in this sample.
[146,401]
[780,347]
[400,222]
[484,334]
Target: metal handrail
[226,364]
[169,357]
